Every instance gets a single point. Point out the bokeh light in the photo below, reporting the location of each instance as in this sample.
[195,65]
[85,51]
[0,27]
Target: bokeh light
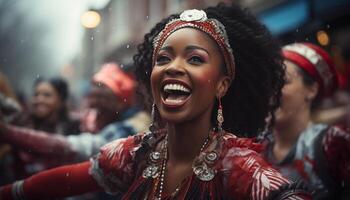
[322,37]
[90,19]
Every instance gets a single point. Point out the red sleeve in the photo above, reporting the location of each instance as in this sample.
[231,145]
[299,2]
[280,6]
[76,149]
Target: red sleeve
[60,182]
[36,141]
[336,143]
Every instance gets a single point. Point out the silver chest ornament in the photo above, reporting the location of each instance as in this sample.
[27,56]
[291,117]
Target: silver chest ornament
[202,171]
[153,170]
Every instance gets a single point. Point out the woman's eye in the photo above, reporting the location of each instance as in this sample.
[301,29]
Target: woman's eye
[196,60]
[161,60]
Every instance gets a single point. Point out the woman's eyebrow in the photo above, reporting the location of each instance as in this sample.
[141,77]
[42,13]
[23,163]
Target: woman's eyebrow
[194,47]
[166,48]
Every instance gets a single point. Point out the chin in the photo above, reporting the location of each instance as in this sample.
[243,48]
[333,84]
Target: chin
[174,118]
[41,116]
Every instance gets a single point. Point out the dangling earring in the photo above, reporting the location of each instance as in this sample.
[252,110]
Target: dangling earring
[154,125]
[220,117]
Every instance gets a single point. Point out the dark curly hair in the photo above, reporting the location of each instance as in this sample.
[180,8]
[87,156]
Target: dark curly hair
[256,90]
[58,83]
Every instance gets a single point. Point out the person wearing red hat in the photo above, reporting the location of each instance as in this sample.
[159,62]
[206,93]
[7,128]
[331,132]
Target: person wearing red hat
[112,97]
[301,149]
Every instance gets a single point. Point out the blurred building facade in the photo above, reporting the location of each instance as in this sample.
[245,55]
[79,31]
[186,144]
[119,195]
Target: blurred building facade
[124,22]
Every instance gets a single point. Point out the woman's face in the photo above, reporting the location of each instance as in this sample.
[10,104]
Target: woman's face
[46,101]
[296,96]
[187,76]
[105,103]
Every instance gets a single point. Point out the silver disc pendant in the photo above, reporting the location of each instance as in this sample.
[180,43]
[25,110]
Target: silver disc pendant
[211,157]
[155,156]
[151,171]
[204,173]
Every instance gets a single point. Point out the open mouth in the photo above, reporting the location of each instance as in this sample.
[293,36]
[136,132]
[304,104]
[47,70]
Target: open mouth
[175,94]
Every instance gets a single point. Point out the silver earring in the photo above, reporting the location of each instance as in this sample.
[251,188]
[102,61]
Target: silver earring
[220,117]
[154,125]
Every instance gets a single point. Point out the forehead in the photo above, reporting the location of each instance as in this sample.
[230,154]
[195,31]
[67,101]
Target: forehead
[191,36]
[44,85]
[291,68]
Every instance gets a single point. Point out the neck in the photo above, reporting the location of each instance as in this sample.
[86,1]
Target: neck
[286,135]
[186,139]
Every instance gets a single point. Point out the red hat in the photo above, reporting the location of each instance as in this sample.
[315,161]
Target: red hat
[316,62]
[122,84]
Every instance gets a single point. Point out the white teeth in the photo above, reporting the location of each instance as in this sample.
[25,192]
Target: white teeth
[176,87]
[173,101]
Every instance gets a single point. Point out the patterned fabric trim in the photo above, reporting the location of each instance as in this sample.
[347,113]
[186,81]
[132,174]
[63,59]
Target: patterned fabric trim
[107,182]
[17,190]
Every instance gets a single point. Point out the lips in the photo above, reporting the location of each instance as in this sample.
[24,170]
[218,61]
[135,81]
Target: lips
[175,93]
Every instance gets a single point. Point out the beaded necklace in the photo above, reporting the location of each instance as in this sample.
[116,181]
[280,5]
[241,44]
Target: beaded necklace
[163,167]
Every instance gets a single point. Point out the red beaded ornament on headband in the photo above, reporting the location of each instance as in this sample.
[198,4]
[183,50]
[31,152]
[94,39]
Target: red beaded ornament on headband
[197,19]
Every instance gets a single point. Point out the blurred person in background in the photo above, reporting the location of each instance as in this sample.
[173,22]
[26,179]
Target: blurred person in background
[48,108]
[9,108]
[301,149]
[112,111]
[47,112]
[5,87]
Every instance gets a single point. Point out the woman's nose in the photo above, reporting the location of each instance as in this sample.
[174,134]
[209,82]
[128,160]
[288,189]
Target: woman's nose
[176,67]
[38,98]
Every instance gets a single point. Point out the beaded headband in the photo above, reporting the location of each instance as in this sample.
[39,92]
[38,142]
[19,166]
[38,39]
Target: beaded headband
[316,62]
[197,19]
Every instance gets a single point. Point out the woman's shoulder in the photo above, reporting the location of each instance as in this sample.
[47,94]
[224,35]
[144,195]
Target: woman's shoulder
[240,156]
[335,146]
[231,141]
[114,167]
[246,169]
[123,148]
[337,132]
[122,152]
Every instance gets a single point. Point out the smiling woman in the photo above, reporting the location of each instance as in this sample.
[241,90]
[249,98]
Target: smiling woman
[188,64]
[47,112]
[48,107]
[210,72]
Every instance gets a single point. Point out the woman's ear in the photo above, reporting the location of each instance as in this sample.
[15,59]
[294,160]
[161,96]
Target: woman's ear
[312,91]
[223,85]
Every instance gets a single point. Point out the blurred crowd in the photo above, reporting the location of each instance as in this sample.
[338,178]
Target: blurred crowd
[46,130]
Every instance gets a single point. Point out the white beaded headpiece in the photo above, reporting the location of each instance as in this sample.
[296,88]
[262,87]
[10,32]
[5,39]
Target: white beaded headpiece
[197,19]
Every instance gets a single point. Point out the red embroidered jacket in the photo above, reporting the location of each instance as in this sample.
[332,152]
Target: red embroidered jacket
[228,168]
